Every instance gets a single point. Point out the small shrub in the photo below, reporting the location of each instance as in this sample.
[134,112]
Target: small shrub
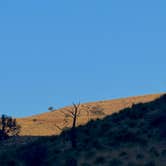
[124,136]
[34,120]
[100,160]
[8,159]
[51,108]
[163,153]
[12,163]
[85,164]
[154,152]
[131,123]
[97,111]
[71,162]
[123,154]
[115,162]
[97,144]
[89,154]
[105,127]
[132,164]
[139,156]
[151,163]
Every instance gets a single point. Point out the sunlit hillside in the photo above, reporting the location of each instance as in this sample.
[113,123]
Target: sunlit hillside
[126,132]
[46,123]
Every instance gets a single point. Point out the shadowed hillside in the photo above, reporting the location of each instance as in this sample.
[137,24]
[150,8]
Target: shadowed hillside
[135,136]
[45,124]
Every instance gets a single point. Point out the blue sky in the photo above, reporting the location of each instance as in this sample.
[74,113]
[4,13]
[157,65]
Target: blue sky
[53,53]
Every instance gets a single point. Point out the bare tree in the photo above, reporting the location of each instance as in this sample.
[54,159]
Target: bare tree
[71,114]
[75,113]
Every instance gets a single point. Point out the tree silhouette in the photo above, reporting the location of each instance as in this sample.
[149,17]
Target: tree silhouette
[75,113]
[71,114]
[8,127]
[50,108]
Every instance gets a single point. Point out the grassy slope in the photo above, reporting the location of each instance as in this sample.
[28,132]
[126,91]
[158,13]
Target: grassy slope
[136,136]
[45,124]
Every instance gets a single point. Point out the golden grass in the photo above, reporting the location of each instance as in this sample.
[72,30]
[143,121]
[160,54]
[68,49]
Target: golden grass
[46,123]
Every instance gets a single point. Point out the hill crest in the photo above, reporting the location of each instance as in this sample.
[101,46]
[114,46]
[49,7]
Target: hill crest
[45,124]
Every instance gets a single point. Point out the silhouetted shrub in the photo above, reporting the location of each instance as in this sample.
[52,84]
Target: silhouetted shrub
[136,114]
[153,152]
[85,164]
[151,163]
[12,163]
[133,164]
[71,162]
[131,123]
[115,118]
[123,154]
[139,156]
[163,153]
[51,108]
[8,159]
[100,160]
[158,120]
[3,135]
[90,153]
[124,136]
[34,120]
[97,111]
[115,162]
[105,126]
[8,127]
[97,144]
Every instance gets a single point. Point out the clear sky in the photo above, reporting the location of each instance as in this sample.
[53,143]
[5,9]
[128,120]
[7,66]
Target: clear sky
[53,53]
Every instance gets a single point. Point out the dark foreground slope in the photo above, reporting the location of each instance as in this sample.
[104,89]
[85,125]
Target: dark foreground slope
[135,136]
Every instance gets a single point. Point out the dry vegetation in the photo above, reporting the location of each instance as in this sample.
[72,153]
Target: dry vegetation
[45,124]
[133,135]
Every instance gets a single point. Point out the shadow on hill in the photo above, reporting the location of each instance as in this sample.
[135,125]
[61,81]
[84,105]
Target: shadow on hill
[134,136]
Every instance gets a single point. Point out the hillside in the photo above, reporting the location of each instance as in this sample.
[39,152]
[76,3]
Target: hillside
[134,136]
[46,123]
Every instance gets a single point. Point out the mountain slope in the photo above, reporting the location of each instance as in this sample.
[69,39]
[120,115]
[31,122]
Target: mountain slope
[134,136]
[46,123]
